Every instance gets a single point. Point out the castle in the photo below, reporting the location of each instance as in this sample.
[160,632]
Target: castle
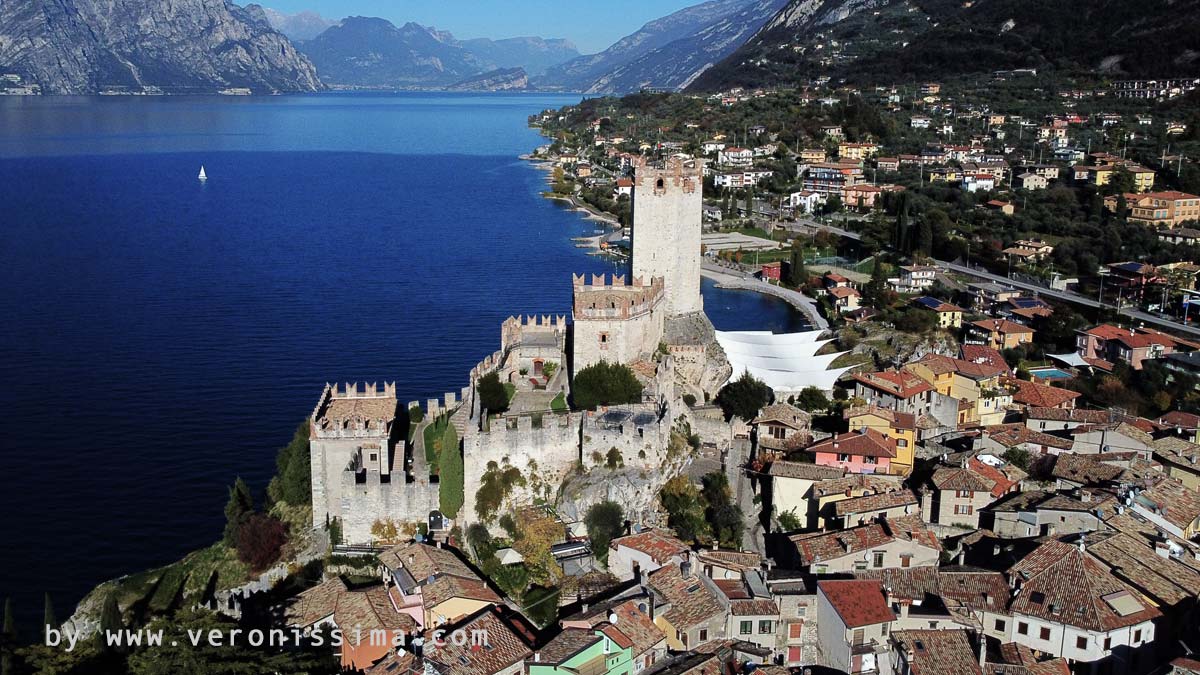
[360,473]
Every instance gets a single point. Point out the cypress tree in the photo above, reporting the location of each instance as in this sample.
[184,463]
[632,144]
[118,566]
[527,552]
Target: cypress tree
[48,618]
[237,510]
[10,624]
[110,620]
[797,275]
[7,639]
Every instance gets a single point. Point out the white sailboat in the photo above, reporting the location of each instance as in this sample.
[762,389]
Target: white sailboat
[203,176]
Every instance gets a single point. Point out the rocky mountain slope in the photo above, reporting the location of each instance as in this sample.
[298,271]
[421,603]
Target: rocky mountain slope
[891,40]
[668,52]
[91,46]
[502,79]
[371,52]
[300,26]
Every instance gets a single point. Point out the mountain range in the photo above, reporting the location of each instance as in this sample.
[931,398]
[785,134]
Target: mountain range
[90,46]
[884,41]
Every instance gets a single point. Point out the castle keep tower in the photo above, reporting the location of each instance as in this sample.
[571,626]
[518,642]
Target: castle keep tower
[667,206]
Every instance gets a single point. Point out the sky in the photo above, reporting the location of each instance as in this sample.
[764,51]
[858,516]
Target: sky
[592,25]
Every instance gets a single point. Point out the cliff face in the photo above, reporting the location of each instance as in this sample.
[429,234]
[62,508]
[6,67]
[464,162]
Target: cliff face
[668,52]
[93,46]
[502,79]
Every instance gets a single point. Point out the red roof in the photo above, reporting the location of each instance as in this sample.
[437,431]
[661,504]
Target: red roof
[897,383]
[1002,326]
[982,354]
[1039,395]
[862,443]
[859,602]
[660,546]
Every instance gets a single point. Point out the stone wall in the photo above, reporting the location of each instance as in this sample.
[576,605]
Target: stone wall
[615,322]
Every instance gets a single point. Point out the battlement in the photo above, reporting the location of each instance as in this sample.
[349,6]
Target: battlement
[544,330]
[615,299]
[351,412]
[673,173]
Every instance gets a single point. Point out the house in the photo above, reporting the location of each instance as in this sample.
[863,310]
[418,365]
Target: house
[1126,345]
[644,552]
[1068,604]
[919,122]
[861,197]
[832,131]
[857,151]
[1036,395]
[1158,209]
[734,156]
[933,652]
[647,644]
[902,542]
[914,278]
[433,584]
[623,188]
[791,488]
[857,511]
[900,427]
[1048,171]
[709,147]
[948,315]
[506,651]
[845,299]
[974,386]
[978,182]
[772,271]
[896,390]
[782,426]
[812,155]
[1025,310]
[333,604]
[1171,506]
[831,178]
[806,200]
[861,451]
[999,438]
[1032,181]
[887,164]
[825,494]
[987,296]
[853,617]
[955,495]
[999,334]
[599,649]
[741,179]
[1040,513]
[688,606]
[1001,206]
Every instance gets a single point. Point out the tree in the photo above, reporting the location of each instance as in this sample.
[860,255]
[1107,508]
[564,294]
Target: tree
[605,521]
[539,533]
[259,541]
[1018,457]
[48,618]
[385,531]
[492,394]
[685,512]
[110,619]
[237,510]
[812,400]
[724,517]
[789,521]
[876,288]
[292,482]
[605,383]
[924,237]
[797,275]
[744,397]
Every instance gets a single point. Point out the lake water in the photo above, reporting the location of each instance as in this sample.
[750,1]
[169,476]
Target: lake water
[160,336]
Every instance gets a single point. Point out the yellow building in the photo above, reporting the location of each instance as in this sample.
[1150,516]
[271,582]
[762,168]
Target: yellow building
[948,315]
[899,426]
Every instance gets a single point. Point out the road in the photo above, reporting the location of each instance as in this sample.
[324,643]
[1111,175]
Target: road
[1067,296]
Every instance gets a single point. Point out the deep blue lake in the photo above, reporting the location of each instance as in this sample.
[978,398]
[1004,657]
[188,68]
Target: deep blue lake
[160,336]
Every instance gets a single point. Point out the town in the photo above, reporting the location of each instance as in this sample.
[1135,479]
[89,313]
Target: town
[983,457]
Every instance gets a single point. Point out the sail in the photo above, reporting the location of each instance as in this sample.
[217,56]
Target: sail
[203,176]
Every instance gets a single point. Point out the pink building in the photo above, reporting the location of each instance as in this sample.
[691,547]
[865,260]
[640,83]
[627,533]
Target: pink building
[862,451]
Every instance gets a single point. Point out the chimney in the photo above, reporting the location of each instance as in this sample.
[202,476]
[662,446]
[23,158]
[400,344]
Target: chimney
[1163,549]
[962,556]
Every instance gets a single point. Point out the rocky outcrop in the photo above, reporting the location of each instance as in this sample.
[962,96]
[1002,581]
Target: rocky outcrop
[148,46]
[299,26]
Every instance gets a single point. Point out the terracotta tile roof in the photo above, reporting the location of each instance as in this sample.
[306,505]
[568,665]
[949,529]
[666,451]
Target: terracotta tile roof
[1018,659]
[1184,664]
[982,354]
[858,602]
[1003,326]
[449,586]
[1175,450]
[398,664]
[1003,478]
[657,544]
[1010,435]
[505,647]
[734,560]
[937,652]
[1134,560]
[691,601]
[1084,470]
[687,664]
[568,643]
[1038,395]
[857,481]
[315,603]
[632,622]
[367,608]
[815,548]
[901,384]
[1178,418]
[956,586]
[861,443]
[1176,503]
[897,420]
[423,561]
[960,479]
[783,413]
[756,607]
[842,292]
[1061,584]
[1076,415]
[804,470]
[874,503]
[936,305]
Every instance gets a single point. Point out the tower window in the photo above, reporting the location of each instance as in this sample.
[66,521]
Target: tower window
[660,184]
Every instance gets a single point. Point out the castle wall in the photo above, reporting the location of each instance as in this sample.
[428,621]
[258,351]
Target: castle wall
[667,206]
[616,321]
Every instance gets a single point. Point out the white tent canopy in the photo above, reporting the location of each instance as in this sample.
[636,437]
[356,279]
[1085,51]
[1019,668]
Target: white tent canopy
[786,362]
